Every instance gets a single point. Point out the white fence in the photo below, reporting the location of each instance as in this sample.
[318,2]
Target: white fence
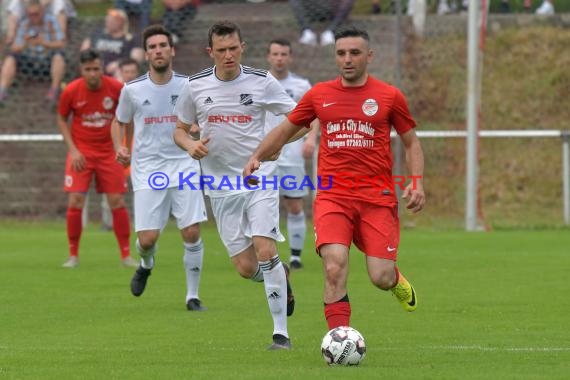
[563,135]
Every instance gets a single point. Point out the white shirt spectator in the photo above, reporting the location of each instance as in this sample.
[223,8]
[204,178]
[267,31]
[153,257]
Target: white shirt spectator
[546,8]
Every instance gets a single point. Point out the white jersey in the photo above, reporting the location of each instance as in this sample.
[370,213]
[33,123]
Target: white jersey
[292,153]
[232,115]
[151,107]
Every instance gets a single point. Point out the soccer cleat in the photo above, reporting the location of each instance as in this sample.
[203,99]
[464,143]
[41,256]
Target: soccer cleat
[296,264]
[129,262]
[308,37]
[194,304]
[280,342]
[405,293]
[72,262]
[138,283]
[290,296]
[327,38]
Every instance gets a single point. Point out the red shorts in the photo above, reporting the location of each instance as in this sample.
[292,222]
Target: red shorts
[374,229]
[109,176]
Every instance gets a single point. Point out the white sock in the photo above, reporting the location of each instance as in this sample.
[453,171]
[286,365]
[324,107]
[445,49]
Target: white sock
[276,292]
[296,231]
[193,256]
[147,257]
[258,276]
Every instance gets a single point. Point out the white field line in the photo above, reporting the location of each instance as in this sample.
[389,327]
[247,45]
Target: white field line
[504,349]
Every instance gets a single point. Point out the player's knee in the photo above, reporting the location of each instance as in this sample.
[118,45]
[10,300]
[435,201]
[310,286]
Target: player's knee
[246,271]
[76,200]
[333,272]
[116,202]
[191,234]
[147,241]
[384,279]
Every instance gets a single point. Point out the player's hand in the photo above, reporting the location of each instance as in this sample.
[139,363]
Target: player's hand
[414,193]
[198,149]
[194,131]
[252,165]
[308,149]
[123,156]
[77,160]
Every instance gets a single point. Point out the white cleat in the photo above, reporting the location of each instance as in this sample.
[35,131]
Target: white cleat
[327,38]
[72,262]
[129,262]
[308,38]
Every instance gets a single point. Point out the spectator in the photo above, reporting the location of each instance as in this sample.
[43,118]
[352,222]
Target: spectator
[177,15]
[505,6]
[36,51]
[62,10]
[376,7]
[306,11]
[138,12]
[546,8]
[527,6]
[443,7]
[114,42]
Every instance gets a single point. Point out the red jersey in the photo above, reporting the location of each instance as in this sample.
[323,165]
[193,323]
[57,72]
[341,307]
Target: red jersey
[355,157]
[93,112]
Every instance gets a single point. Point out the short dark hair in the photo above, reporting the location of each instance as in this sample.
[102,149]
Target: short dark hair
[155,30]
[282,42]
[223,28]
[128,61]
[88,55]
[351,31]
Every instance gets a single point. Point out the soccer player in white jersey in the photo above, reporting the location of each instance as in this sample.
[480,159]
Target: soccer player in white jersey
[291,162]
[148,102]
[229,102]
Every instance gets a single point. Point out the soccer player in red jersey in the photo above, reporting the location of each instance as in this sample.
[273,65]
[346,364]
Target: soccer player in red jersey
[91,101]
[356,113]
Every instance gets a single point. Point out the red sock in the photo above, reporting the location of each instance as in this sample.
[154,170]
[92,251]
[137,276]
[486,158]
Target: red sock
[122,229]
[74,228]
[338,313]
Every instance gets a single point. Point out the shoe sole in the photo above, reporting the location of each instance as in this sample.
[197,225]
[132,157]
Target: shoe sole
[290,296]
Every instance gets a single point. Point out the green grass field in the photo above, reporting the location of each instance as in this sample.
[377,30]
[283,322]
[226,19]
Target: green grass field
[491,306]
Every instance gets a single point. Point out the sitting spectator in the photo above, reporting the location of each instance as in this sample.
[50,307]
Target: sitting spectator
[546,8]
[36,51]
[138,12]
[114,42]
[376,7]
[62,10]
[505,6]
[177,16]
[527,5]
[334,11]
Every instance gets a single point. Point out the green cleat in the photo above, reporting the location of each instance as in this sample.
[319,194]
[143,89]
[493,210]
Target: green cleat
[405,293]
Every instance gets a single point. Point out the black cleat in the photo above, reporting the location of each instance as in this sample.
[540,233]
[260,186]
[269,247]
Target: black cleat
[295,264]
[290,296]
[138,283]
[194,304]
[280,343]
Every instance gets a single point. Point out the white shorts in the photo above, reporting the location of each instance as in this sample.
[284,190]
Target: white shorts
[153,207]
[240,217]
[290,186]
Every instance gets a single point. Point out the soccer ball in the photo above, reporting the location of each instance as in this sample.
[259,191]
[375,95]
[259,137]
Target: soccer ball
[343,345]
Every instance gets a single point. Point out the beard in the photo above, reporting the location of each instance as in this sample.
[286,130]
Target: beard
[161,68]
